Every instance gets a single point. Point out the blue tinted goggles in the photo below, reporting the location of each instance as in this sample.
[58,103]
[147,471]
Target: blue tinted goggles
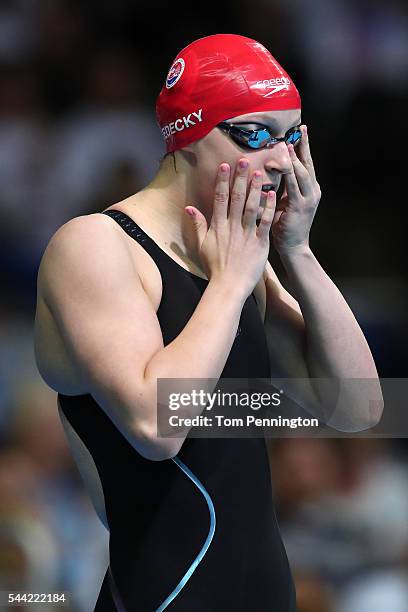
[259,138]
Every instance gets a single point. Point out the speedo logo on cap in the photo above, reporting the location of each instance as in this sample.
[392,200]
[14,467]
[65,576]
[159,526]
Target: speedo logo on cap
[268,83]
[274,85]
[182,123]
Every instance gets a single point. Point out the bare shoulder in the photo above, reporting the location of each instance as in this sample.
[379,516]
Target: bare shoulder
[87,242]
[80,232]
[89,291]
[85,260]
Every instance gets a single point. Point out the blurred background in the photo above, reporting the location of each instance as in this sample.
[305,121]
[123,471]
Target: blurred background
[78,82]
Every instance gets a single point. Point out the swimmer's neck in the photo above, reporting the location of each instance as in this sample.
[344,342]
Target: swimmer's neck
[159,207]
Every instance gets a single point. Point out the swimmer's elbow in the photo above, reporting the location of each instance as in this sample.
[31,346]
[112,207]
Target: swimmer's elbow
[153,447]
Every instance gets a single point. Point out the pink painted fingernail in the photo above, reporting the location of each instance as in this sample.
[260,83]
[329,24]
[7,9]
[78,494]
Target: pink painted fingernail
[243,163]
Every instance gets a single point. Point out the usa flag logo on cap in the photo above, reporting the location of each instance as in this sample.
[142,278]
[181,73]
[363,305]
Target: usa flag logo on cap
[175,72]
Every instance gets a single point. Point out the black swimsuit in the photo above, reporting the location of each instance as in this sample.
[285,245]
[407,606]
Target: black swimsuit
[196,533]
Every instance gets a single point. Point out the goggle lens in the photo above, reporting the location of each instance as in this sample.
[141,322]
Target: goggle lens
[259,139]
[294,137]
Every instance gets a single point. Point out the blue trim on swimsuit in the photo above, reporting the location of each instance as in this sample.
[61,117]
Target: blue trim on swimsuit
[206,544]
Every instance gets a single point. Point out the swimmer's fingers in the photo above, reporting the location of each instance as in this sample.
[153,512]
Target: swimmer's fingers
[265,222]
[239,192]
[299,181]
[308,188]
[291,183]
[221,195]
[253,201]
[305,154]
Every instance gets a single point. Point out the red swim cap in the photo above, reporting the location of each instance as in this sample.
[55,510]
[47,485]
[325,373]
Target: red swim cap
[216,78]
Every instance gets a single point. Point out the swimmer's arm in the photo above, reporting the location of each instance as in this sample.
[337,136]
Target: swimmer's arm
[317,337]
[286,340]
[110,330]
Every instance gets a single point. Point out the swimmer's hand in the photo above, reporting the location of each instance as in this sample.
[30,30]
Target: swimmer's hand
[297,207]
[234,250]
